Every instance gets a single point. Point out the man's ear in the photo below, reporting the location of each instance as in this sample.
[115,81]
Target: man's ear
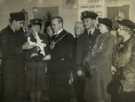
[61,25]
[13,22]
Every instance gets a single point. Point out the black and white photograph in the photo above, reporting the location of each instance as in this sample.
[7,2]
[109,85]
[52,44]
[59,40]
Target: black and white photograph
[67,51]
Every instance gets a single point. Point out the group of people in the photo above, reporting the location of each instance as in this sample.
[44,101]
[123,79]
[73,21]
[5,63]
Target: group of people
[94,65]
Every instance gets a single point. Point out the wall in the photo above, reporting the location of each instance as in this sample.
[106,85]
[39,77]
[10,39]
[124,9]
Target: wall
[117,3]
[132,11]
[68,13]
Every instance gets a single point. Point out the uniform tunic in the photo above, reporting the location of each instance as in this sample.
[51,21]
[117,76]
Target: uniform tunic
[13,63]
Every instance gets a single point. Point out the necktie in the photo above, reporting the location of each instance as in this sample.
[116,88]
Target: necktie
[89,34]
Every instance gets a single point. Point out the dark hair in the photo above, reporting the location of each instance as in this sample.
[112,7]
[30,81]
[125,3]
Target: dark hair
[17,16]
[88,14]
[60,19]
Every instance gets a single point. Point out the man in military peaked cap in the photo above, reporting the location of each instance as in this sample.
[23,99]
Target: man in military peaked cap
[11,40]
[89,19]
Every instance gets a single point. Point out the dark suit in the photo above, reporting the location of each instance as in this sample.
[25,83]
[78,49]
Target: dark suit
[60,68]
[84,45]
[13,63]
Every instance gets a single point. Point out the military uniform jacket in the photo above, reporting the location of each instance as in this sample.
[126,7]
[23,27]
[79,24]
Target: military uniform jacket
[84,46]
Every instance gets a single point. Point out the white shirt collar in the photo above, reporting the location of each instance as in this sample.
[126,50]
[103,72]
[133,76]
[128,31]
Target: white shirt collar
[58,32]
[91,31]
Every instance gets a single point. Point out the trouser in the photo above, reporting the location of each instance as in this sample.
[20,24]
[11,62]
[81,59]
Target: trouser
[79,89]
[59,89]
[13,80]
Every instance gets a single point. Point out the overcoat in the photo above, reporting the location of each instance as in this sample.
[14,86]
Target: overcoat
[60,67]
[13,63]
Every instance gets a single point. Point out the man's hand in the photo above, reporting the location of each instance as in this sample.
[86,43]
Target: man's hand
[113,70]
[47,57]
[33,55]
[71,79]
[80,73]
[27,46]
[52,45]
